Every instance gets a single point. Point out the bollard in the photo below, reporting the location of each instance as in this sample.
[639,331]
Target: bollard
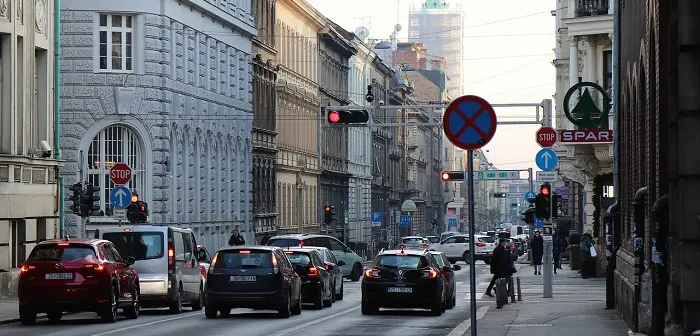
[512,292]
[520,294]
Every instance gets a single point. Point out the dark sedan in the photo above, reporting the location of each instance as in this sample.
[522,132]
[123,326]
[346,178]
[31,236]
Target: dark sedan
[448,271]
[333,267]
[316,281]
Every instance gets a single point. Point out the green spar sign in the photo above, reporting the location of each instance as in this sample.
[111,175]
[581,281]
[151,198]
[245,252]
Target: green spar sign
[586,107]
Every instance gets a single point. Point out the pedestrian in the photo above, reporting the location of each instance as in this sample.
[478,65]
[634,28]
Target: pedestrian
[537,246]
[510,263]
[500,271]
[264,239]
[558,247]
[236,239]
[588,255]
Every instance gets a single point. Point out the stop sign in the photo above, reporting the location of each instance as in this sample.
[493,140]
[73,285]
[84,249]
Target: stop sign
[120,173]
[546,136]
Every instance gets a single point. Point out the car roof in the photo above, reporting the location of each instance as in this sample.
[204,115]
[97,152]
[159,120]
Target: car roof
[404,252]
[88,241]
[300,236]
[409,237]
[301,249]
[244,247]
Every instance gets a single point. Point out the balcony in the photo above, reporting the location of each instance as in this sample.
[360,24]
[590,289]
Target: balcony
[592,7]
[589,17]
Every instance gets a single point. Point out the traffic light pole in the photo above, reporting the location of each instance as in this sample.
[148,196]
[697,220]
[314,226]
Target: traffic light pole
[548,255]
[472,266]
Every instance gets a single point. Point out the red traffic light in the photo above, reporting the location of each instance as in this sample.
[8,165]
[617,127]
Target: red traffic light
[334,117]
[445,176]
[328,208]
[544,189]
[143,208]
[452,176]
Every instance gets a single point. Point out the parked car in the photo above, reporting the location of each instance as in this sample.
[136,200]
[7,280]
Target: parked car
[204,260]
[414,243]
[457,248]
[353,262]
[316,281]
[448,271]
[333,266]
[75,276]
[166,261]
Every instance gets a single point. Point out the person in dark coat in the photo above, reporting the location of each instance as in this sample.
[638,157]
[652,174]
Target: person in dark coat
[236,239]
[501,271]
[498,254]
[264,239]
[558,247]
[537,246]
[587,260]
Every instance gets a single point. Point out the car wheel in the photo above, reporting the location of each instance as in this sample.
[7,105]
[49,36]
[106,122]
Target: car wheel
[109,314]
[329,302]
[450,303]
[436,309]
[54,316]
[465,257]
[27,315]
[210,311]
[199,302]
[176,306]
[333,292]
[225,312]
[340,295]
[296,309]
[454,301]
[368,309]
[285,310]
[356,272]
[132,312]
[318,300]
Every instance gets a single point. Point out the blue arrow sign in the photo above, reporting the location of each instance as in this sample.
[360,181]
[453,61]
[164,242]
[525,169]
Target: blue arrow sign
[539,223]
[546,159]
[120,197]
[452,222]
[528,195]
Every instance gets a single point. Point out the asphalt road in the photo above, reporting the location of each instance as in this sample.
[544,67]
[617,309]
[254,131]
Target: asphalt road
[343,318]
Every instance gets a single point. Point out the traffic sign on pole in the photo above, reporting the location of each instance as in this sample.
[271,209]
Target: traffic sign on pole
[469,122]
[547,176]
[120,197]
[529,195]
[546,136]
[120,173]
[376,219]
[546,159]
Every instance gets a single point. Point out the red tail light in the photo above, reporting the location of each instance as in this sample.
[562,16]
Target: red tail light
[480,244]
[403,246]
[371,273]
[203,271]
[313,272]
[25,268]
[429,274]
[275,264]
[213,263]
[171,257]
[96,267]
[301,243]
[424,246]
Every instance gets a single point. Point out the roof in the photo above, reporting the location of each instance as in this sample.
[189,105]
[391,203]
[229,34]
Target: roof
[303,248]
[247,247]
[299,235]
[74,240]
[405,252]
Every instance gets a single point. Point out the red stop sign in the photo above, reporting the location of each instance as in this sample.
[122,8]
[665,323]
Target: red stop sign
[546,136]
[120,173]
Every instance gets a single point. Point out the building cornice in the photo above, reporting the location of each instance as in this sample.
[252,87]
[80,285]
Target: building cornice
[308,12]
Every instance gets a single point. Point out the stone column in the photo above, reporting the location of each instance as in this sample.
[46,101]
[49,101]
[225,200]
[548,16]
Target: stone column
[591,65]
[573,69]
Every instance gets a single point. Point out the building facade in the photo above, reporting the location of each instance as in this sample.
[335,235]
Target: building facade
[265,119]
[29,208]
[333,62]
[298,107]
[360,147]
[169,93]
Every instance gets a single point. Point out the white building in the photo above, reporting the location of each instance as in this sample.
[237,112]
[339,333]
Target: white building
[164,86]
[29,208]
[359,148]
[584,39]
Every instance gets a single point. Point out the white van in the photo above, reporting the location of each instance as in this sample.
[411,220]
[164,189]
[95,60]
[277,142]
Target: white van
[166,263]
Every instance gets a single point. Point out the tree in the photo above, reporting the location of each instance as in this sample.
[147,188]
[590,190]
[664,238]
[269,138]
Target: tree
[493,214]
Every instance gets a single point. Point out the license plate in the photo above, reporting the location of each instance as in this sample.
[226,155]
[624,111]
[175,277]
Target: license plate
[400,290]
[243,278]
[59,276]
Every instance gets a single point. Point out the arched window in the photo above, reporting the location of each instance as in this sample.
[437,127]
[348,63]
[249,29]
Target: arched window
[111,145]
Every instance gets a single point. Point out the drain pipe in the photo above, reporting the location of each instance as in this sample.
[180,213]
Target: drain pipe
[639,205]
[57,108]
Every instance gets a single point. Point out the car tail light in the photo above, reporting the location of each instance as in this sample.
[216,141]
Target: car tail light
[274,264]
[301,243]
[424,246]
[480,245]
[429,274]
[244,252]
[372,273]
[96,267]
[313,272]
[25,268]
[213,262]
[171,257]
[403,246]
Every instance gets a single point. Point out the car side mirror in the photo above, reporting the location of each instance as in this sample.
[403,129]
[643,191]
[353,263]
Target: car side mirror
[341,263]
[130,260]
[329,265]
[456,267]
[447,269]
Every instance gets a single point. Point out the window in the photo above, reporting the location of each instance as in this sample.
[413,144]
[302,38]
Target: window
[336,245]
[140,245]
[54,252]
[112,145]
[608,70]
[107,252]
[116,42]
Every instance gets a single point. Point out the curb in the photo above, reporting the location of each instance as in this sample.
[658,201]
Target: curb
[38,317]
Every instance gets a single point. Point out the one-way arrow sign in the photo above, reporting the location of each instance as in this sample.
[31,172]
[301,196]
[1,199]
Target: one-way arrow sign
[546,159]
[120,197]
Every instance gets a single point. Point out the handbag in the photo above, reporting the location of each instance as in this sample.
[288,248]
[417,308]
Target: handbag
[593,252]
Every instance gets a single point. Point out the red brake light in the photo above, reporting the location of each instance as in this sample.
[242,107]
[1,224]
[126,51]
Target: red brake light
[171,256]
[244,252]
[429,274]
[213,262]
[274,263]
[480,244]
[25,268]
[313,272]
[96,267]
[371,273]
[63,244]
[424,246]
[288,252]
[301,243]
[403,246]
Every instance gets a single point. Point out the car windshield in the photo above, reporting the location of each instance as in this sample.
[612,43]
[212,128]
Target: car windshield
[283,242]
[55,252]
[299,258]
[244,259]
[413,241]
[140,245]
[402,261]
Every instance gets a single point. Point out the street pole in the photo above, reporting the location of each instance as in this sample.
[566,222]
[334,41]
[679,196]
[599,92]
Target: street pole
[531,231]
[472,266]
[548,257]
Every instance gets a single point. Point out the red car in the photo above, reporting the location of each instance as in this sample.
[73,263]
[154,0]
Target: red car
[74,276]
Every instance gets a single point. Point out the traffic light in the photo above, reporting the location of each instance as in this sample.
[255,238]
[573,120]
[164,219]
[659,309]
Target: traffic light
[452,176]
[137,211]
[76,198]
[499,195]
[556,202]
[329,212]
[529,216]
[348,117]
[88,199]
[542,208]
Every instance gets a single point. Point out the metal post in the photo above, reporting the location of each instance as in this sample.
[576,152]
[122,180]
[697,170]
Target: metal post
[531,233]
[520,293]
[472,266]
[548,258]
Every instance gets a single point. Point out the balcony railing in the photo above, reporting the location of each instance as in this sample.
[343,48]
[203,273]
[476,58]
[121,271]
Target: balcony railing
[592,7]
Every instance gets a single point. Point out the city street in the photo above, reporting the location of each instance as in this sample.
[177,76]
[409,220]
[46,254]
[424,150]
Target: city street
[344,318]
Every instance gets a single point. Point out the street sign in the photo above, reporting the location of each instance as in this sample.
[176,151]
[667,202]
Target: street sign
[547,230]
[469,122]
[513,195]
[546,159]
[120,173]
[546,136]
[119,214]
[539,223]
[587,114]
[528,195]
[547,176]
[376,219]
[586,136]
[406,221]
[497,175]
[452,222]
[120,197]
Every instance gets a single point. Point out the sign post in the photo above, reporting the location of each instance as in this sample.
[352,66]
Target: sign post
[470,122]
[120,196]
[546,136]
[548,266]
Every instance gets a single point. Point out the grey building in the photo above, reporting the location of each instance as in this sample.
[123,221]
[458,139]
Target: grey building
[166,88]
[334,56]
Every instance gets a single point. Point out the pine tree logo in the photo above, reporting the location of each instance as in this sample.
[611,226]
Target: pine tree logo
[588,112]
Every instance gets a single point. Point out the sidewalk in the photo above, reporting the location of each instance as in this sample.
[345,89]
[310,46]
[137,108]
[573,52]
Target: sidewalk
[576,308]
[9,311]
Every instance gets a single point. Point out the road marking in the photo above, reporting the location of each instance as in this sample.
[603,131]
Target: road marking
[466,324]
[147,324]
[310,323]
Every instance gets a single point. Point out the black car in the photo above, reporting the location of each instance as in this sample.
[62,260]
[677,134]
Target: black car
[404,279]
[316,281]
[450,281]
[259,277]
[333,267]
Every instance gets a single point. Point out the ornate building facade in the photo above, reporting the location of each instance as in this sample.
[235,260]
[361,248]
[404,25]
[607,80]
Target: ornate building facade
[265,118]
[169,93]
[298,107]
[334,55]
[28,171]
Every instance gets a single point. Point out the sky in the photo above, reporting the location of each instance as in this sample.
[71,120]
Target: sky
[508,59]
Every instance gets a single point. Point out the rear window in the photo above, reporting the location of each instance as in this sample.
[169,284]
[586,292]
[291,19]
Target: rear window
[244,259]
[487,239]
[416,241]
[283,242]
[402,261]
[434,240]
[298,258]
[140,245]
[55,252]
